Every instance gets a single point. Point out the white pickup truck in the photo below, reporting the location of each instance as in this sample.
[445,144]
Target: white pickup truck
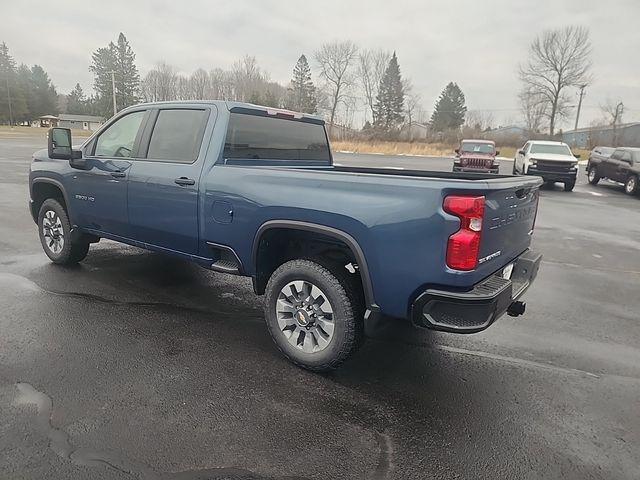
[553,161]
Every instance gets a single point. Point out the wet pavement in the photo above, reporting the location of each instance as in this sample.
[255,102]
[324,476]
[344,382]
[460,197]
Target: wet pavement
[134,365]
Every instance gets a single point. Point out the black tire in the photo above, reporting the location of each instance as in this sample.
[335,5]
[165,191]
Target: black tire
[631,186]
[54,230]
[568,186]
[593,175]
[344,300]
[515,172]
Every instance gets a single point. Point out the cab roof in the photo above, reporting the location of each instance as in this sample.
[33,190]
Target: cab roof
[242,107]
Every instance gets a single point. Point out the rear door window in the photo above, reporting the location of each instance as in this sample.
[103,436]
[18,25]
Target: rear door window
[254,137]
[177,135]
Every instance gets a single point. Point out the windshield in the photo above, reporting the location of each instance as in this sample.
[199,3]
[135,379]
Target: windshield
[554,149]
[477,147]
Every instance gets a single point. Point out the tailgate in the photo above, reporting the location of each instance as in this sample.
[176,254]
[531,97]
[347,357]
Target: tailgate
[510,212]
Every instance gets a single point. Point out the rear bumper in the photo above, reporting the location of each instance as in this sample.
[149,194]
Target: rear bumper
[474,310]
[554,175]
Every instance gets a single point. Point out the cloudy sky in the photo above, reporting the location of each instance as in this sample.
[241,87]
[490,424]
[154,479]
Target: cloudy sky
[477,44]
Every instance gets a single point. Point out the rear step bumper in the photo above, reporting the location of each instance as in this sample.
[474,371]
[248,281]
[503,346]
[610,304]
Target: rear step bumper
[475,310]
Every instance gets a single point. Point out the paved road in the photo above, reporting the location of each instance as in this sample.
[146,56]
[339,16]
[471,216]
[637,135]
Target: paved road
[137,366]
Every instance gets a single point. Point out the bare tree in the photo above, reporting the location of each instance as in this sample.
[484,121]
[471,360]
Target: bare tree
[534,110]
[613,114]
[221,84]
[411,105]
[479,120]
[160,84]
[199,84]
[248,78]
[558,59]
[336,62]
[371,67]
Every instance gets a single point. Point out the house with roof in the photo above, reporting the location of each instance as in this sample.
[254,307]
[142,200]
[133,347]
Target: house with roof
[69,120]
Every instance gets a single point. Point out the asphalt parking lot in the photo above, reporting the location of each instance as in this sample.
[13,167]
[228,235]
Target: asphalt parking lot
[133,365]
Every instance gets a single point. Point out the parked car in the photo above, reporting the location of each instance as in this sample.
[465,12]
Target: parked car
[623,166]
[553,161]
[476,156]
[253,191]
[599,153]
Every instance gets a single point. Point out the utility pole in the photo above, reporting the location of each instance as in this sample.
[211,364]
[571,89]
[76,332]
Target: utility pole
[9,98]
[113,91]
[582,87]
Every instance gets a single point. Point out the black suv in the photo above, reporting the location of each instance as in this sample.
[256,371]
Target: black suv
[622,166]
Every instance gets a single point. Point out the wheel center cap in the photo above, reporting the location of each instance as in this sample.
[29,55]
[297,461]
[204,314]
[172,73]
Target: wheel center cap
[302,318]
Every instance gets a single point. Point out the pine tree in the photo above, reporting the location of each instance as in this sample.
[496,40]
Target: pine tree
[120,60]
[127,76]
[389,106]
[76,101]
[17,110]
[301,95]
[42,97]
[450,109]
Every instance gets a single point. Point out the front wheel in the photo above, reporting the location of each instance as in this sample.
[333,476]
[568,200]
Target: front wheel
[313,315]
[631,185]
[55,235]
[593,175]
[568,186]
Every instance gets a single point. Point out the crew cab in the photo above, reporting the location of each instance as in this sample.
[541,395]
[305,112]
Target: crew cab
[476,156]
[253,191]
[553,161]
[622,165]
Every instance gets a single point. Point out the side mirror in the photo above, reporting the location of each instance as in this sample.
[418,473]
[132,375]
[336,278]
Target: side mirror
[457,150]
[76,160]
[577,156]
[59,143]
[497,152]
[521,152]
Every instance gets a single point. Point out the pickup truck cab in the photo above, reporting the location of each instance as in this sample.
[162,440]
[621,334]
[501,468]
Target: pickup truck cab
[249,190]
[553,161]
[476,156]
[622,165]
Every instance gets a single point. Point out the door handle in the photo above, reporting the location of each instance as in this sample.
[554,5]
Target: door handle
[118,174]
[185,181]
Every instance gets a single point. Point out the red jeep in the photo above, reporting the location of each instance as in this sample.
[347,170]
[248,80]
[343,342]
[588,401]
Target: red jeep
[476,156]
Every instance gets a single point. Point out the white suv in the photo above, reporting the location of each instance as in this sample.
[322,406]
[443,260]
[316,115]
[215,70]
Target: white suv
[553,161]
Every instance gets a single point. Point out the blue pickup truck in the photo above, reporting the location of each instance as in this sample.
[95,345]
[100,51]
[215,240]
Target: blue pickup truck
[247,190]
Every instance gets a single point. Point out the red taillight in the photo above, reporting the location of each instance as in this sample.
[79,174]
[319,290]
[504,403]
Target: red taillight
[463,247]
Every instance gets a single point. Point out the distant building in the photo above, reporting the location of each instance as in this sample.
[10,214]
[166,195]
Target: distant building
[68,120]
[625,135]
[511,133]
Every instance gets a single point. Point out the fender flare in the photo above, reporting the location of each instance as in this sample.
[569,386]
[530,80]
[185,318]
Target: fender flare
[351,243]
[50,181]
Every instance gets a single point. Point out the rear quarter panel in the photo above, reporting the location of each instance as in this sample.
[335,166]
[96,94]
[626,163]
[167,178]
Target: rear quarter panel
[397,221]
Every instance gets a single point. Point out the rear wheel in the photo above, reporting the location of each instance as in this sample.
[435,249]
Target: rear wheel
[631,185]
[593,175]
[313,315]
[55,235]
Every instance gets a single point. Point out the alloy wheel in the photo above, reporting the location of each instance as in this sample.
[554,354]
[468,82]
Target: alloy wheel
[305,316]
[53,232]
